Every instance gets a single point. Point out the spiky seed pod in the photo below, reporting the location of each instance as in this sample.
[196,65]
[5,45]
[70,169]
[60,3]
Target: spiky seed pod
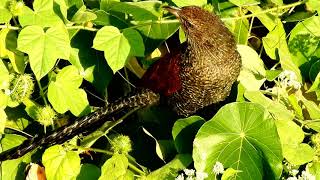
[16,7]
[21,87]
[121,144]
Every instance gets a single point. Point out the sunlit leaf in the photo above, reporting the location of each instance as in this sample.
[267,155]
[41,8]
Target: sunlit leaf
[67,85]
[115,45]
[5,14]
[41,15]
[252,74]
[114,168]
[241,136]
[181,3]
[13,169]
[61,164]
[49,45]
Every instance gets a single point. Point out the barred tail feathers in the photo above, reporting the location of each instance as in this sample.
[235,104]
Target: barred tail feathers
[141,99]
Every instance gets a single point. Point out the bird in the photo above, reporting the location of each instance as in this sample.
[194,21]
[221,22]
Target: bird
[197,75]
[203,72]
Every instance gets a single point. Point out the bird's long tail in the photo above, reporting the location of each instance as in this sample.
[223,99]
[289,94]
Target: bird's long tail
[140,99]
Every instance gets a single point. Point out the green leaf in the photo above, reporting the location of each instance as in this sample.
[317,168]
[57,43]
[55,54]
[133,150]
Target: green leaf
[8,44]
[314,70]
[155,32]
[241,136]
[314,169]
[184,131]
[4,76]
[67,85]
[3,119]
[83,16]
[107,19]
[291,136]
[252,74]
[61,164]
[171,169]
[13,169]
[17,118]
[181,3]
[88,62]
[89,171]
[274,40]
[268,20]
[279,110]
[229,174]
[5,14]
[140,11]
[115,167]
[115,45]
[164,148]
[244,2]
[312,108]
[49,45]
[135,41]
[315,85]
[303,42]
[41,15]
[313,5]
[299,154]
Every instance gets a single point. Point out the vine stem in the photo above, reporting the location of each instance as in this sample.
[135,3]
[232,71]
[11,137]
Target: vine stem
[41,93]
[267,11]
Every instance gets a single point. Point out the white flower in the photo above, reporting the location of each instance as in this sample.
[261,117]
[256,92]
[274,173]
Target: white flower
[306,176]
[7,92]
[294,172]
[218,168]
[292,178]
[201,175]
[189,172]
[180,177]
[293,83]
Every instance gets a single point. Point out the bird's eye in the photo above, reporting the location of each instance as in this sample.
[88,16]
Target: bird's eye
[187,24]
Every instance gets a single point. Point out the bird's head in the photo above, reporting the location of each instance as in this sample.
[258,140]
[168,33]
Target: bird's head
[197,21]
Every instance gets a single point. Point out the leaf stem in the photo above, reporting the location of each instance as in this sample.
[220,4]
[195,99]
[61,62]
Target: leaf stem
[42,94]
[267,11]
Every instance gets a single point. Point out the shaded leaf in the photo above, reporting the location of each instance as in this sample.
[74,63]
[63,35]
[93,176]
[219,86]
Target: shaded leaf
[184,131]
[89,171]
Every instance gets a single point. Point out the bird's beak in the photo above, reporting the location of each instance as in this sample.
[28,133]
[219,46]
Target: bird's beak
[173,10]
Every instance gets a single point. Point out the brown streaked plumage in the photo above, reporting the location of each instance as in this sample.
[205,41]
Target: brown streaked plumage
[208,66]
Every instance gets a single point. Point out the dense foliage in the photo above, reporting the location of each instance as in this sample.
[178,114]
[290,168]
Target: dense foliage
[58,57]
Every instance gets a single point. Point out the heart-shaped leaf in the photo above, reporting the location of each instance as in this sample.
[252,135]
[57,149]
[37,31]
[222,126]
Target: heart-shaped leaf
[115,167]
[64,93]
[42,15]
[49,45]
[242,136]
[61,164]
[115,45]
